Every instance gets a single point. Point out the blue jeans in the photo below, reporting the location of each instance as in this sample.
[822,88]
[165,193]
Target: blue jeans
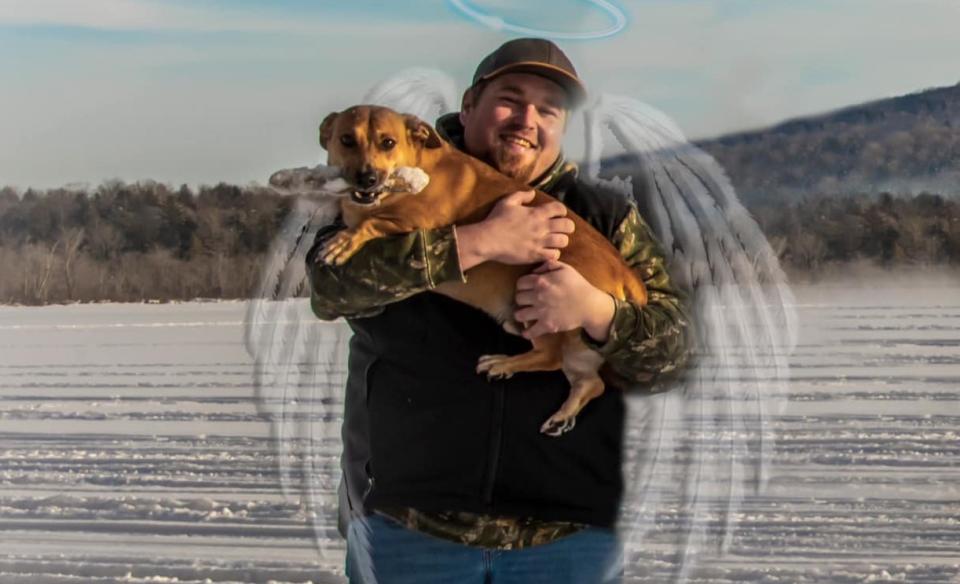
[398,555]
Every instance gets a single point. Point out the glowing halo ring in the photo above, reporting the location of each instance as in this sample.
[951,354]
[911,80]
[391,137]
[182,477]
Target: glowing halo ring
[498,23]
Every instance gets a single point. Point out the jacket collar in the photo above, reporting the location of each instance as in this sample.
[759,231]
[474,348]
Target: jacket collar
[450,128]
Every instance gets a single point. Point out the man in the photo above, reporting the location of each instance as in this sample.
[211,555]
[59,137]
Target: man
[454,480]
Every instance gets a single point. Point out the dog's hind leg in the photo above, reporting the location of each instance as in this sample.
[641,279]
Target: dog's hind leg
[546,355]
[581,366]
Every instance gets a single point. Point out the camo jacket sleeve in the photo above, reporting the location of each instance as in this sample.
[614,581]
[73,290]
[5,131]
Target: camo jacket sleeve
[646,343]
[384,270]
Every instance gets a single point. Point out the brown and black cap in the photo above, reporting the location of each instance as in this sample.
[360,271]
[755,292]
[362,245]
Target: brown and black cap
[538,57]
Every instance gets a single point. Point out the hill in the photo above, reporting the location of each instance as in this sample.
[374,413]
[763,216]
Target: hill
[906,144]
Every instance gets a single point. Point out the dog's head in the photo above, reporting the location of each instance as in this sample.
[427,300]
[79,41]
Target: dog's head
[369,143]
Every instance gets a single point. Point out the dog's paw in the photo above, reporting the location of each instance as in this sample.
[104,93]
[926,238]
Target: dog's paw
[558,425]
[494,366]
[339,249]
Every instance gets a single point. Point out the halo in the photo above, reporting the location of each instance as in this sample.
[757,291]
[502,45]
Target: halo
[499,24]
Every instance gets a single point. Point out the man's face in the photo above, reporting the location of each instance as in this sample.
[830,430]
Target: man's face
[516,124]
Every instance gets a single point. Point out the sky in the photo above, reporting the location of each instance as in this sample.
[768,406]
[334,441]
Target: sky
[203,91]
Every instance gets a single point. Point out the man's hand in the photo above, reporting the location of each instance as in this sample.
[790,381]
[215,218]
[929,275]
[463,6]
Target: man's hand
[555,297]
[514,233]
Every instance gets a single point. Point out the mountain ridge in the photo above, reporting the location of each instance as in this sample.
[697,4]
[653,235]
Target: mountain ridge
[906,144]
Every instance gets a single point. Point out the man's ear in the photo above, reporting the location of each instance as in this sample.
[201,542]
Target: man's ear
[422,132]
[466,104]
[326,129]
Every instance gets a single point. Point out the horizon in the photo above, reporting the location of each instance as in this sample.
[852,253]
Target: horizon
[229,91]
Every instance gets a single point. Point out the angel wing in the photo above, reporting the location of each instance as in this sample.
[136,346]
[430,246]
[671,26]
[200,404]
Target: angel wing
[425,93]
[299,361]
[709,440]
[299,371]
[710,437]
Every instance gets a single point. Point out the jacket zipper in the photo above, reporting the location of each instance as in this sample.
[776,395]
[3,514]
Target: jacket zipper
[496,436]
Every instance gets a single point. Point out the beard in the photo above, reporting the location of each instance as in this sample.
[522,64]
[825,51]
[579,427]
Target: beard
[514,165]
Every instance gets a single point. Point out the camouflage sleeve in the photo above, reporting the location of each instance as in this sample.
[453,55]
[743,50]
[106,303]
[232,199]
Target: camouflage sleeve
[384,270]
[650,341]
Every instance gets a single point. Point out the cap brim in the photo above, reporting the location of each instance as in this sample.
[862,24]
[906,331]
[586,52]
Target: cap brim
[573,86]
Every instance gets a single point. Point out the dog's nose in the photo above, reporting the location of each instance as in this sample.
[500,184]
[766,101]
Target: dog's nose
[366,180]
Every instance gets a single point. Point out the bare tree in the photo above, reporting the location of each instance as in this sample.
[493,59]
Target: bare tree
[72,239]
[36,277]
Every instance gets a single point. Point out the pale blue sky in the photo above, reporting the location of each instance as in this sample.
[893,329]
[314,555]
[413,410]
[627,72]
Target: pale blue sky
[207,90]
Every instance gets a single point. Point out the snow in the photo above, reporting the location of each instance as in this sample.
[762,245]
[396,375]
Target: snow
[131,451]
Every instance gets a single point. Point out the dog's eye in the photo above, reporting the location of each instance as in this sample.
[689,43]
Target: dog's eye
[388,143]
[348,140]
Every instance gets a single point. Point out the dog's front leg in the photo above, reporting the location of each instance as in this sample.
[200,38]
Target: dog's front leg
[344,244]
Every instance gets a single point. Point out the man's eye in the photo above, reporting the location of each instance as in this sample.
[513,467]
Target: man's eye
[348,140]
[388,143]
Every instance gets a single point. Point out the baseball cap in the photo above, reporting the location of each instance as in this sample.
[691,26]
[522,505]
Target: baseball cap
[538,57]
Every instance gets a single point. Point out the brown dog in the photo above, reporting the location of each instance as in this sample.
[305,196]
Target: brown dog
[369,143]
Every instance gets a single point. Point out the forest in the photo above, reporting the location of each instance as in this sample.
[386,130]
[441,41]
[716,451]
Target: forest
[148,241]
[134,242]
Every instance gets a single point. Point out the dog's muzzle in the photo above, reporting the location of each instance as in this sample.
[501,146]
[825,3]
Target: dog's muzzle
[365,197]
[402,180]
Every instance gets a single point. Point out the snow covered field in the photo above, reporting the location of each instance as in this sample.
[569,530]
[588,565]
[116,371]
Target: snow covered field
[131,450]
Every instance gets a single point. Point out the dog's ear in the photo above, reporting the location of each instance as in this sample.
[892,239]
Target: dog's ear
[422,132]
[326,129]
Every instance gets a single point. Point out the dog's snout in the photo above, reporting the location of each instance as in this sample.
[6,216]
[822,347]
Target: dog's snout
[366,179]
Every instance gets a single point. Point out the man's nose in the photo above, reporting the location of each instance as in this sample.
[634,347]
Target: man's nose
[528,115]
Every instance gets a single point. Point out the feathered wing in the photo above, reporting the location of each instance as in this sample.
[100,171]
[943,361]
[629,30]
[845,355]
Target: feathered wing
[299,370]
[300,361]
[425,93]
[713,434]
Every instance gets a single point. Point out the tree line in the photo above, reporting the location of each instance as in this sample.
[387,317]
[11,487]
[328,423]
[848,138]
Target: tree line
[148,241]
[134,242]
[817,231]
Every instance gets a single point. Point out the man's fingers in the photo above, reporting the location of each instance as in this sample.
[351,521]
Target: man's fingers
[520,197]
[537,330]
[525,314]
[557,241]
[562,225]
[528,282]
[548,266]
[550,255]
[553,209]
[525,298]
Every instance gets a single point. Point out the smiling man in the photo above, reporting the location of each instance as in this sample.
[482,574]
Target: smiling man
[447,470]
[515,122]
